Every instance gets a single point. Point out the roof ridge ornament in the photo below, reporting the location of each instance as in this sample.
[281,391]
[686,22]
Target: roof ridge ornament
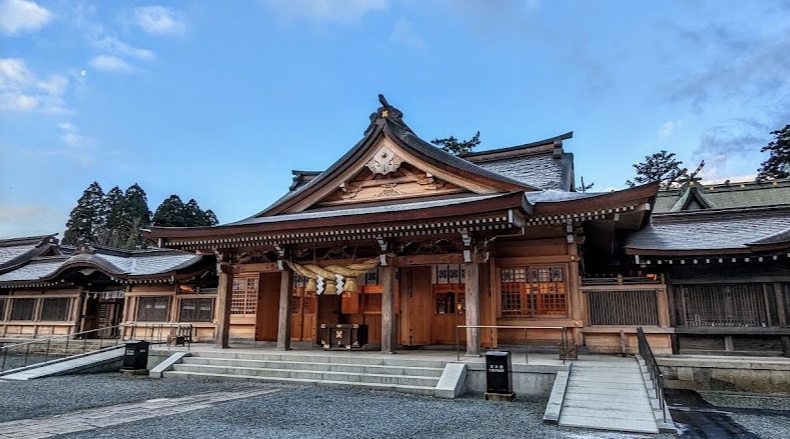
[385,111]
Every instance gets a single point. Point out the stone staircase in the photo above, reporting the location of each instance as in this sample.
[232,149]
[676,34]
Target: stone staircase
[416,376]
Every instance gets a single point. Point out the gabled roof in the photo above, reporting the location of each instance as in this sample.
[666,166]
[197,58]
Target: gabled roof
[727,195]
[135,265]
[543,163]
[15,252]
[387,122]
[712,232]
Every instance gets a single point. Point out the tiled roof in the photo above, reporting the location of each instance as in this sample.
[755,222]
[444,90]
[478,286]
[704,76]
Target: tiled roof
[362,210]
[34,270]
[714,231]
[555,196]
[541,171]
[115,263]
[729,196]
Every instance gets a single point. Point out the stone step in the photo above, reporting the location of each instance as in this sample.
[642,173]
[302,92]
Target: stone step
[310,375]
[316,366]
[412,389]
[322,358]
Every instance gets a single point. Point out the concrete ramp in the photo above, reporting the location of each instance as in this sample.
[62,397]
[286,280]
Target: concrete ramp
[607,393]
[106,360]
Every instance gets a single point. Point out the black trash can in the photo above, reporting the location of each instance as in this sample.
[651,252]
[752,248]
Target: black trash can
[499,384]
[135,356]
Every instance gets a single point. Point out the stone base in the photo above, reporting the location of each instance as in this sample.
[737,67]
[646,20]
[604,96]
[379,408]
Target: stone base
[507,397]
[134,371]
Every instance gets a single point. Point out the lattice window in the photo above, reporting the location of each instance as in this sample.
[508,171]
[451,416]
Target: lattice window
[632,308]
[22,309]
[153,309]
[533,291]
[55,309]
[245,295]
[196,310]
[726,305]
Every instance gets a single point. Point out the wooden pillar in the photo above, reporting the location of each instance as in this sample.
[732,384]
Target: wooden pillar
[224,295]
[577,305]
[472,301]
[387,309]
[284,321]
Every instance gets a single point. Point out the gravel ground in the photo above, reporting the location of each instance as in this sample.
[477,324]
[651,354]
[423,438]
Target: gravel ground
[776,425]
[293,412]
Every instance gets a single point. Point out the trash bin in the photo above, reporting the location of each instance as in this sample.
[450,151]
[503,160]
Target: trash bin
[499,385]
[135,356]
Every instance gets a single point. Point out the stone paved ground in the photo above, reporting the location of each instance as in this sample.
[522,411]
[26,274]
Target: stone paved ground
[259,411]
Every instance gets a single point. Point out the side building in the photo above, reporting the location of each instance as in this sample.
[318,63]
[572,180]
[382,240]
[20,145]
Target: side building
[47,289]
[725,252]
[409,242]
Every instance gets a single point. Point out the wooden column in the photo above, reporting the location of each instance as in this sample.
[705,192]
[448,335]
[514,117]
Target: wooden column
[284,321]
[575,295]
[472,290]
[224,295]
[387,309]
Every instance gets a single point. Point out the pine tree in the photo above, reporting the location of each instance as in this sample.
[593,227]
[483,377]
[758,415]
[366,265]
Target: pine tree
[112,233]
[778,164]
[660,166]
[456,147]
[136,215]
[171,213]
[209,219]
[87,218]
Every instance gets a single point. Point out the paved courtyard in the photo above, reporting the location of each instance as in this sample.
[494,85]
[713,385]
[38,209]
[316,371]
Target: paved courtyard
[125,407]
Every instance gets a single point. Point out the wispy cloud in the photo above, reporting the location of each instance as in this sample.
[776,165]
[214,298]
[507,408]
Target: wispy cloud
[668,128]
[734,140]
[404,32]
[21,90]
[342,11]
[159,20]
[115,46]
[109,63]
[17,16]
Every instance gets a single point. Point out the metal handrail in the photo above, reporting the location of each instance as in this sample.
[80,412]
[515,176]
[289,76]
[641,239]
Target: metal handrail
[656,377]
[563,334]
[157,335]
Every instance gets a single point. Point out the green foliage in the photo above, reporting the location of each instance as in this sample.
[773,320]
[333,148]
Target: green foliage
[117,218]
[660,166]
[87,219]
[174,213]
[456,147]
[583,187]
[778,164]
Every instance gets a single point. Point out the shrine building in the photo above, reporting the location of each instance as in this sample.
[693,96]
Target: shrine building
[407,242]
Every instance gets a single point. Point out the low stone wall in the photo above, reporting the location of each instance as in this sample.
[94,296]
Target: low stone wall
[758,375]
[534,380]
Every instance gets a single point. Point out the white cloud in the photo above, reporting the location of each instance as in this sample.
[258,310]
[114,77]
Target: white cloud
[159,20]
[18,220]
[18,16]
[21,90]
[345,11]
[404,32]
[111,64]
[669,128]
[114,45]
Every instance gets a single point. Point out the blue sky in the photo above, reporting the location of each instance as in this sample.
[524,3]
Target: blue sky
[219,101]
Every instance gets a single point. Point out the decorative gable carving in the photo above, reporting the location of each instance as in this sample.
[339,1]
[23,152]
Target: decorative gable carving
[384,161]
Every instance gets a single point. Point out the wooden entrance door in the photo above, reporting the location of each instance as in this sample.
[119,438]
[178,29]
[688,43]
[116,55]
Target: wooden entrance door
[268,311]
[416,307]
[109,316]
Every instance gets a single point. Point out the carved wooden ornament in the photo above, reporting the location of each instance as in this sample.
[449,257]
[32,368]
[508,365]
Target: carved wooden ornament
[384,162]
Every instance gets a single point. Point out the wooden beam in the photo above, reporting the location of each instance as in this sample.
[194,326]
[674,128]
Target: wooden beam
[284,322]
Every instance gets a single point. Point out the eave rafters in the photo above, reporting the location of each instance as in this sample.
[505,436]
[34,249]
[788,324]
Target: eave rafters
[500,221]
